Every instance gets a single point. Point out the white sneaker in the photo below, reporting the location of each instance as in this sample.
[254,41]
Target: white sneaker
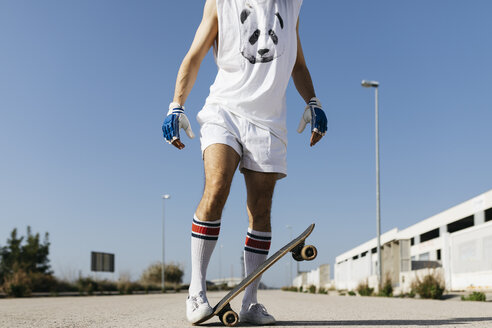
[197,307]
[256,314]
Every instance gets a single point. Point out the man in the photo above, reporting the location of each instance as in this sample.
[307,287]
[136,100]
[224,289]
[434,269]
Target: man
[257,48]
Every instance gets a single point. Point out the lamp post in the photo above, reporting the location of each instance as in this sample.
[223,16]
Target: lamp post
[375,85]
[290,261]
[164,197]
[220,263]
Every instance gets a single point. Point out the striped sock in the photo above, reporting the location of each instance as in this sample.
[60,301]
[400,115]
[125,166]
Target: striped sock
[204,235]
[256,250]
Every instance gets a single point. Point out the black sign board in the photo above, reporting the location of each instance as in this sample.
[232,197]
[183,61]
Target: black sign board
[102,262]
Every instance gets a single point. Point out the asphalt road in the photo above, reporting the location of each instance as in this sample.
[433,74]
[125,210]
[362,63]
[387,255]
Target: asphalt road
[290,310]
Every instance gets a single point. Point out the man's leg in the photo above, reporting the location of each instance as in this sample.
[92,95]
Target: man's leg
[260,187]
[220,162]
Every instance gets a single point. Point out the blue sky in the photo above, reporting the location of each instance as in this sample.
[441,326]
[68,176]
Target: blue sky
[85,85]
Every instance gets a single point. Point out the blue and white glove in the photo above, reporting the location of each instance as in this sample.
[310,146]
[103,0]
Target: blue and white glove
[315,115]
[175,120]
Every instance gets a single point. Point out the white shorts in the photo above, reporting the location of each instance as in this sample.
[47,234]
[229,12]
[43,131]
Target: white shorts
[259,149]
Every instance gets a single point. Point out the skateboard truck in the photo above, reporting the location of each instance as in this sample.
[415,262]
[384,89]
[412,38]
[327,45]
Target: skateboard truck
[304,252]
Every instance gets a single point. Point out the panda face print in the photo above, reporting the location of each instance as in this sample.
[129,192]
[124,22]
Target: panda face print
[261,33]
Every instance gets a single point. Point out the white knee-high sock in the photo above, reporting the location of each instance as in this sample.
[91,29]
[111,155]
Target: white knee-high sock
[204,235]
[256,250]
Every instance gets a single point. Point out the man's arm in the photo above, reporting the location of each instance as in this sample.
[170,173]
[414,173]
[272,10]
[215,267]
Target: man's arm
[300,73]
[205,36]
[203,41]
[304,84]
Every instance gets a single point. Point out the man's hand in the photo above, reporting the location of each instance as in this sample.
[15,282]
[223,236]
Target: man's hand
[315,115]
[175,120]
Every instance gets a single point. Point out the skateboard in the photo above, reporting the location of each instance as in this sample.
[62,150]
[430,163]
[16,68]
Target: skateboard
[299,251]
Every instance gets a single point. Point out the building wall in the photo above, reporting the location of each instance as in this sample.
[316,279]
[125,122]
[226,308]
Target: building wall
[390,258]
[435,241]
[470,265]
[320,278]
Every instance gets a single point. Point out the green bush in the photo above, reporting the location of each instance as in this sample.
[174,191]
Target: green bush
[289,289]
[22,284]
[173,274]
[24,265]
[364,290]
[322,290]
[43,283]
[217,287]
[17,284]
[86,285]
[312,289]
[387,289]
[26,253]
[170,287]
[154,288]
[107,286]
[430,286]
[475,296]
[125,286]
[352,293]
[90,286]
[65,286]
[213,288]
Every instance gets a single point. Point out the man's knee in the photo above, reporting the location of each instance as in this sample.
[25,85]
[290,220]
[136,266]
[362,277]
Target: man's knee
[259,214]
[213,202]
[218,186]
[260,210]
[214,197]
[260,223]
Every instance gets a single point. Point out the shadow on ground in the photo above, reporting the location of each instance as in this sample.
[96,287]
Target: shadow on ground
[369,323]
[366,323]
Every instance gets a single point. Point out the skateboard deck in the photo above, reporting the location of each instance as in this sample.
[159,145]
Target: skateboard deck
[299,251]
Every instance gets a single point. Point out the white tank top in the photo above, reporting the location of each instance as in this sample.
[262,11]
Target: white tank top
[255,55]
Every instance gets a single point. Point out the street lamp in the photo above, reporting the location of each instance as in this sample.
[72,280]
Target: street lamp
[375,85]
[164,197]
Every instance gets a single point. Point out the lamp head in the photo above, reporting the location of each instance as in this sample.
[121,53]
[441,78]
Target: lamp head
[369,84]
[166,196]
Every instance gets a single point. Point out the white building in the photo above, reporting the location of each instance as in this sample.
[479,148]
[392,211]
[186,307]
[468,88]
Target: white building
[320,278]
[230,282]
[456,242]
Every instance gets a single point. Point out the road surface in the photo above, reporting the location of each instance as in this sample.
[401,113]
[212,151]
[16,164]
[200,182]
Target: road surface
[290,309]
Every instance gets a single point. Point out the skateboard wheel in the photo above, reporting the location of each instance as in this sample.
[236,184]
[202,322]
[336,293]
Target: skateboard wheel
[309,252]
[229,318]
